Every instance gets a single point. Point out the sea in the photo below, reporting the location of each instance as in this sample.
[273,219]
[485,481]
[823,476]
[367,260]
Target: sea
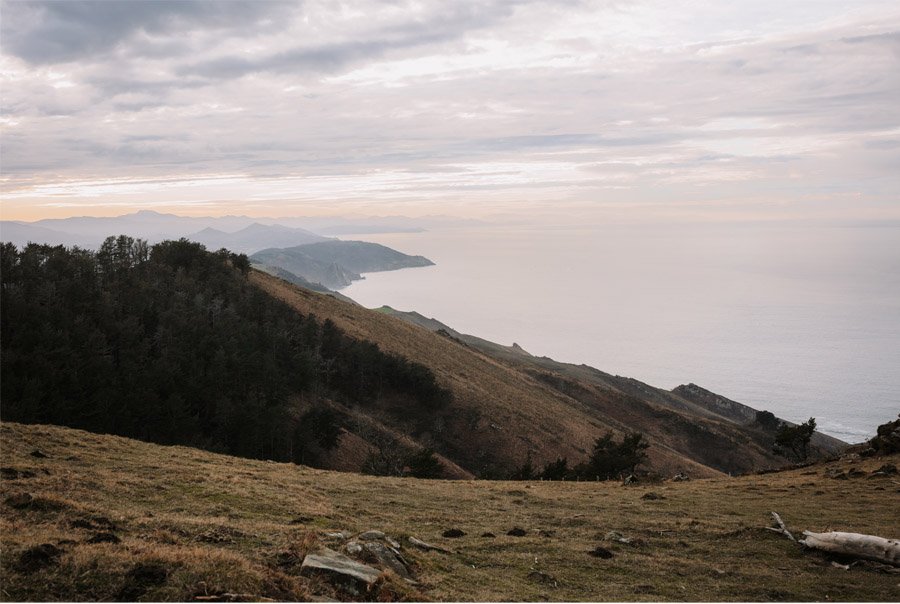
[803,321]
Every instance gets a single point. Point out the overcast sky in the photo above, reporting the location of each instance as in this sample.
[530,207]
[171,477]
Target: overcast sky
[740,109]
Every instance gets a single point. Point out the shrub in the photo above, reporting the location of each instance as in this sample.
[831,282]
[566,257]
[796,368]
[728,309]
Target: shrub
[793,441]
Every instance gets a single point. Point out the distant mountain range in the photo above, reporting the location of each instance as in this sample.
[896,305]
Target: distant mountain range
[238,233]
[291,252]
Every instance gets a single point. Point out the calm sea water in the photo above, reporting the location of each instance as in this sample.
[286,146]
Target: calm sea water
[804,322]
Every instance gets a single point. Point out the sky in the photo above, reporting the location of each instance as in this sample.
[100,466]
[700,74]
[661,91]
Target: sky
[743,110]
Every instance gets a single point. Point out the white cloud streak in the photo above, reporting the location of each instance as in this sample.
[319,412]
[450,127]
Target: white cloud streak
[488,104]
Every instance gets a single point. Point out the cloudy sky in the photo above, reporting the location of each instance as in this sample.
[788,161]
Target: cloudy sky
[738,110]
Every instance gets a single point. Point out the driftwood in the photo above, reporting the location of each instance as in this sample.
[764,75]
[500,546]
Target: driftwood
[868,547]
[856,545]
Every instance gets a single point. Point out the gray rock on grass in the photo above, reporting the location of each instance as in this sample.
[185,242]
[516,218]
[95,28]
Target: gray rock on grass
[342,571]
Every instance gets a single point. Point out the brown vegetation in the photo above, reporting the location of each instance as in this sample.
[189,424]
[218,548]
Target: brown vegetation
[192,523]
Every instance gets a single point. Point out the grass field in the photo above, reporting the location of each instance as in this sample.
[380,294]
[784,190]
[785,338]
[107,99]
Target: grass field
[191,523]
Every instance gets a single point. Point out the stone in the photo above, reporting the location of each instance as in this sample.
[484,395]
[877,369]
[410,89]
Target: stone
[371,536]
[354,548]
[887,469]
[38,557]
[680,477]
[342,535]
[617,537]
[427,546]
[341,571]
[601,552]
[453,533]
[386,557]
[516,532]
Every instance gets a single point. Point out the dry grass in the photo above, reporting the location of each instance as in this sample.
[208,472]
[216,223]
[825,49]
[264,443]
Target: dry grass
[194,523]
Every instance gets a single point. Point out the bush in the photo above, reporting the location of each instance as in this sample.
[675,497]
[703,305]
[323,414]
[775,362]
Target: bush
[767,420]
[424,464]
[557,470]
[611,460]
[793,441]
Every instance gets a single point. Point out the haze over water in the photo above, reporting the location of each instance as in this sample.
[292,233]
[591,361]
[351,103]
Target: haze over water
[802,321]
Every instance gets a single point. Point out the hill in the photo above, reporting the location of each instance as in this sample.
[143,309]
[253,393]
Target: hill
[177,345]
[93,517]
[336,263]
[509,406]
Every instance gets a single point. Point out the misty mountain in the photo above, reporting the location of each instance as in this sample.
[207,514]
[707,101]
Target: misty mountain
[335,264]
[22,233]
[255,237]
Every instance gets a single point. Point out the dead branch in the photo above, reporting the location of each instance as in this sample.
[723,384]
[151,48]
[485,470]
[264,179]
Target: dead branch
[782,529]
[868,547]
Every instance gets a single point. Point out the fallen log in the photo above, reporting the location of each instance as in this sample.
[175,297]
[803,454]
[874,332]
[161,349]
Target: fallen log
[868,547]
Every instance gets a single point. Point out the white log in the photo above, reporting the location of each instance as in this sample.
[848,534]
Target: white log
[868,547]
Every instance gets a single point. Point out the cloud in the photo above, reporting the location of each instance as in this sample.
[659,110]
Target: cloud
[574,100]
[47,32]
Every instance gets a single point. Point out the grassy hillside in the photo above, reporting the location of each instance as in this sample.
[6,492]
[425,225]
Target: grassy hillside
[508,405]
[122,519]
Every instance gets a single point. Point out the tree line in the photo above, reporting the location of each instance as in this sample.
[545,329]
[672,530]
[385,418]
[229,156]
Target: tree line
[171,344]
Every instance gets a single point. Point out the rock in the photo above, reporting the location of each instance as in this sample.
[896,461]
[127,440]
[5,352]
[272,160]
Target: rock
[601,552]
[651,496]
[836,475]
[342,535]
[38,557]
[104,538]
[427,546]
[887,469]
[341,571]
[39,454]
[488,535]
[453,533]
[371,536]
[516,532]
[617,537]
[354,548]
[19,501]
[680,477]
[386,557]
